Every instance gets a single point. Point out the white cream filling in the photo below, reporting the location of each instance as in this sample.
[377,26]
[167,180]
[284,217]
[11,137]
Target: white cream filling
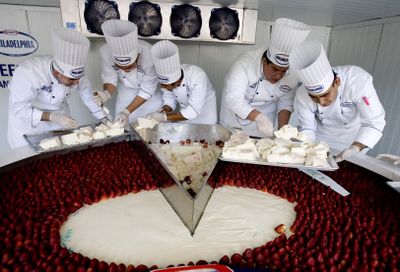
[143,229]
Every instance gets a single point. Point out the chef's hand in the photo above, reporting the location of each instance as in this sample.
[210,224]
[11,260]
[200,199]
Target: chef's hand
[165,109]
[264,125]
[158,116]
[347,153]
[100,97]
[123,118]
[395,159]
[63,120]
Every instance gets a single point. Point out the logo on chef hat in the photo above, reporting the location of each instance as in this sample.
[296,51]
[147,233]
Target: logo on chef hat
[285,88]
[282,59]
[78,72]
[163,79]
[315,89]
[122,60]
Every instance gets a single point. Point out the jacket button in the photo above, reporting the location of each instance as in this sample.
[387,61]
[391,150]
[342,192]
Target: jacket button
[256,92]
[345,123]
[321,112]
[183,85]
[66,94]
[272,96]
[53,96]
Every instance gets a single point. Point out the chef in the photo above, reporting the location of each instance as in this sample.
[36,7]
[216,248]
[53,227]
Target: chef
[41,85]
[127,65]
[185,85]
[259,87]
[338,105]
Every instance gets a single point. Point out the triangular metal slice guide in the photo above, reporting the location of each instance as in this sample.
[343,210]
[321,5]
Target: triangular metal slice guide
[188,208]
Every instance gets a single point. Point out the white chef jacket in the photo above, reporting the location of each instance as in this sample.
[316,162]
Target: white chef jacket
[195,96]
[356,115]
[34,90]
[139,82]
[246,90]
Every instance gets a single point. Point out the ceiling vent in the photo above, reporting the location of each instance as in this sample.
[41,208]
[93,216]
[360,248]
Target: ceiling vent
[147,17]
[224,23]
[170,20]
[97,12]
[185,21]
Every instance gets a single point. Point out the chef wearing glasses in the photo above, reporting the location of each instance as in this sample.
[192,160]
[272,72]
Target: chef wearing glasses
[338,105]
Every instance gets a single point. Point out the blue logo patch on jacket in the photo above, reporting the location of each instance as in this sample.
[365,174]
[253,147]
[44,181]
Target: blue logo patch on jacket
[348,104]
[253,85]
[285,88]
[46,88]
[140,69]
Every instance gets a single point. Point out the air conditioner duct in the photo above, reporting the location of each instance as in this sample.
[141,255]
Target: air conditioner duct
[164,20]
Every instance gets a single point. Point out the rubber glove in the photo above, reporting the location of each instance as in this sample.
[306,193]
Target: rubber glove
[395,159]
[158,116]
[347,153]
[100,97]
[63,120]
[264,125]
[123,118]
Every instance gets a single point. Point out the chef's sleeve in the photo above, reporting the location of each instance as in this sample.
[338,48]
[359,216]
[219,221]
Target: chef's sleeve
[236,84]
[372,115]
[22,94]
[306,116]
[86,94]
[197,96]
[149,83]
[169,98]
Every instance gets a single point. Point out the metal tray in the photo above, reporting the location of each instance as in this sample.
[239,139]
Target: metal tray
[35,138]
[331,161]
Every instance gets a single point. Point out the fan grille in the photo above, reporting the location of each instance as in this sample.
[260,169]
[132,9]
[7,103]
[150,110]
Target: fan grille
[224,23]
[147,17]
[97,12]
[185,21]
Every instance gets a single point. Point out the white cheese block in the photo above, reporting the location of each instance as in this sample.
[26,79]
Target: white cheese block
[70,139]
[101,127]
[286,132]
[146,123]
[286,158]
[316,161]
[97,135]
[84,138]
[49,143]
[114,132]
[86,130]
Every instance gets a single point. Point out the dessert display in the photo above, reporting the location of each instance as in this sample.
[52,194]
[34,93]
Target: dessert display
[359,232]
[189,161]
[82,135]
[288,147]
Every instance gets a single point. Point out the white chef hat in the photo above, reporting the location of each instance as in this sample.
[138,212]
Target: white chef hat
[166,61]
[286,35]
[311,65]
[122,37]
[70,49]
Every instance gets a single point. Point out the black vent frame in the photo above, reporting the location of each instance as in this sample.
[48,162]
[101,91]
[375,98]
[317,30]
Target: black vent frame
[97,12]
[147,16]
[185,21]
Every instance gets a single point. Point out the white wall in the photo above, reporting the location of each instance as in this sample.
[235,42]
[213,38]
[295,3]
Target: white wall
[214,58]
[374,45]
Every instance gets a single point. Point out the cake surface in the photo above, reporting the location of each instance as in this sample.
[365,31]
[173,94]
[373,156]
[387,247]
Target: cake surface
[142,228]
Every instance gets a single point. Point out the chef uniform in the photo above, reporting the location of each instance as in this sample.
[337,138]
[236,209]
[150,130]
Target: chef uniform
[195,94]
[246,88]
[356,115]
[34,89]
[123,48]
